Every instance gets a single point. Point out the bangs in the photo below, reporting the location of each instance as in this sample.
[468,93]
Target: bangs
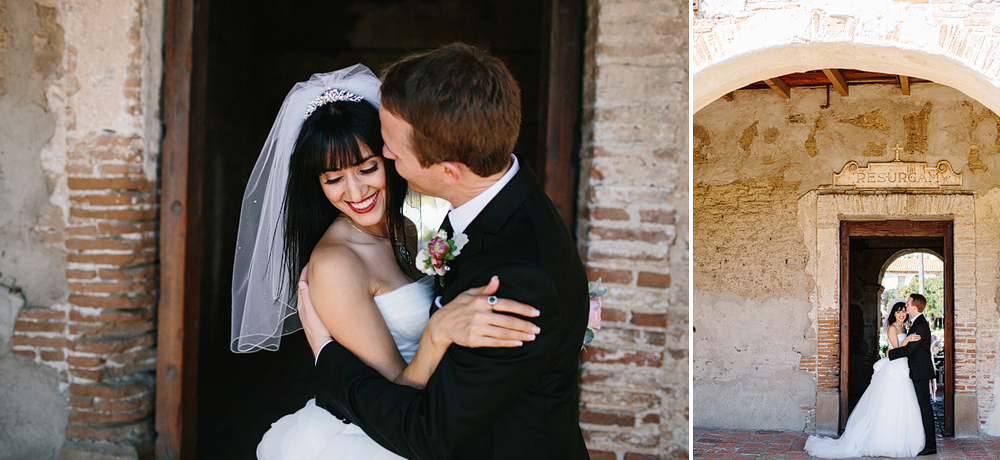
[339,152]
[331,138]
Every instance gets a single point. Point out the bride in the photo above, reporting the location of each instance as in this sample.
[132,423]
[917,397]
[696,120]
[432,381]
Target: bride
[886,420]
[322,193]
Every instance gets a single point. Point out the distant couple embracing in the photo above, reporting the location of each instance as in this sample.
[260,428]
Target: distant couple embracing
[894,417]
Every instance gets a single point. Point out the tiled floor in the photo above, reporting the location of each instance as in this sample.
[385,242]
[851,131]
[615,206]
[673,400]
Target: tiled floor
[714,443]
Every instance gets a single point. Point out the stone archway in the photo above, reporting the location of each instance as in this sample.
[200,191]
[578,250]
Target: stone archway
[735,51]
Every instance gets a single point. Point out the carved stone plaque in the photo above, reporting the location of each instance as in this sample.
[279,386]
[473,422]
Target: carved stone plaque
[897,174]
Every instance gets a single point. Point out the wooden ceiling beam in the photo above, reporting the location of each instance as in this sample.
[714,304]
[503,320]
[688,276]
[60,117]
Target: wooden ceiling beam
[779,87]
[837,80]
[904,84]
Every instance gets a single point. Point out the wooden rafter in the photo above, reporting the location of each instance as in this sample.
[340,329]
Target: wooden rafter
[779,87]
[904,84]
[837,80]
[817,79]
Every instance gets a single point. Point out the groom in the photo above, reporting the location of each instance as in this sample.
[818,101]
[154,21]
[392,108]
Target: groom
[918,355]
[450,119]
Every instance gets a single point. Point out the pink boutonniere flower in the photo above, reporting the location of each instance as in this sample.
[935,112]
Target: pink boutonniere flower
[594,322]
[433,260]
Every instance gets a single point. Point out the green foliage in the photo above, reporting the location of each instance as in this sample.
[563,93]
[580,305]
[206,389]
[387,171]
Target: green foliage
[933,290]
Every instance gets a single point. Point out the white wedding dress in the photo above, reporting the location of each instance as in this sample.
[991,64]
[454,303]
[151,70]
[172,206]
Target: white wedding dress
[312,432]
[885,422]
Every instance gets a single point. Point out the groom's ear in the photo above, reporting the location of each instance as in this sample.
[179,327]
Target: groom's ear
[452,172]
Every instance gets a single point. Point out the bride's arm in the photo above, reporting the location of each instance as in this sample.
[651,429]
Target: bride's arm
[893,335]
[341,296]
[471,322]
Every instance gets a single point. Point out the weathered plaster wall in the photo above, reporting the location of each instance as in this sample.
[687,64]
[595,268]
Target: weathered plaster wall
[751,326]
[80,84]
[805,144]
[766,243]
[32,413]
[31,42]
[633,226]
[988,315]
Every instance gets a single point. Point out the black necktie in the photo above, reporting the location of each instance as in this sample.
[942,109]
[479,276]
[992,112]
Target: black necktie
[446,225]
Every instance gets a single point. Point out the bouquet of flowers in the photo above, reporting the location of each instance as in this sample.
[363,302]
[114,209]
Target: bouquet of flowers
[594,323]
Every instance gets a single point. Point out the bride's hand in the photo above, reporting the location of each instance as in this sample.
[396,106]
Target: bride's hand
[912,338]
[470,321]
[316,332]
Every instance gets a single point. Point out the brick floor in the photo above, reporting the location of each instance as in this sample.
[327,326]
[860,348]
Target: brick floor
[717,443]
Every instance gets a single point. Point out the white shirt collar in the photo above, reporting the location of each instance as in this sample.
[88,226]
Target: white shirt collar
[915,317]
[463,215]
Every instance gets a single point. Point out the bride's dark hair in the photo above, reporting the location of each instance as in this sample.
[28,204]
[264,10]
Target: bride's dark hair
[892,313]
[331,139]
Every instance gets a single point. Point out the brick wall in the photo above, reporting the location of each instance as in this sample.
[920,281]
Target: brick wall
[112,273]
[103,214]
[633,229]
[103,340]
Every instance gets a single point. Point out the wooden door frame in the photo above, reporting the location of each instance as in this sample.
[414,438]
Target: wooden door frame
[184,77]
[185,53]
[900,229]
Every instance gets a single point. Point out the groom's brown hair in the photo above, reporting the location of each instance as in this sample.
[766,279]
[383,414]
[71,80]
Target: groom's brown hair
[919,301]
[463,104]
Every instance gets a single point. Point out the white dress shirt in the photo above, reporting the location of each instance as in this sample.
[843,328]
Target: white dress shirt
[463,215]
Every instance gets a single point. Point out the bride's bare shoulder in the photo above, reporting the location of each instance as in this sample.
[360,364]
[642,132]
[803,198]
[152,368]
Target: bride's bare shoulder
[337,259]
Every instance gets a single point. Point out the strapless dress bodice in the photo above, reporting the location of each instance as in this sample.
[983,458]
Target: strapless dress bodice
[406,310]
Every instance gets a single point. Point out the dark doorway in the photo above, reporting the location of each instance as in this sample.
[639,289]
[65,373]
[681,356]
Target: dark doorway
[255,52]
[866,247]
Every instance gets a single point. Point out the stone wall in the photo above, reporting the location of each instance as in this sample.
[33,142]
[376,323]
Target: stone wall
[90,114]
[766,226]
[633,226]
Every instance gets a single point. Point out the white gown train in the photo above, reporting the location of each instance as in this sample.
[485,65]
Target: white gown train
[885,422]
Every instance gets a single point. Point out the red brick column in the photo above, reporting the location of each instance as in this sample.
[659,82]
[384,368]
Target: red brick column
[112,274]
[622,394]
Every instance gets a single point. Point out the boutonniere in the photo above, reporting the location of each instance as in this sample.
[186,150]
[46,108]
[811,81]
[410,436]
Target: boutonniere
[440,250]
[594,322]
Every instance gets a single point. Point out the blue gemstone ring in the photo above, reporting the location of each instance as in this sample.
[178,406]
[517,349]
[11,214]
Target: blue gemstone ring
[491,300]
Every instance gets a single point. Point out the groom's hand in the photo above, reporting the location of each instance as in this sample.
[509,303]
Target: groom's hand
[477,318]
[315,331]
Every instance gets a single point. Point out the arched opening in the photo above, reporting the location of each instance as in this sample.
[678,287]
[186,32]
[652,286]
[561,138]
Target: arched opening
[919,271]
[719,78]
[883,262]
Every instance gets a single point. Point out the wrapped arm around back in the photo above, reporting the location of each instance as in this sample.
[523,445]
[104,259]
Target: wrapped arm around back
[439,421]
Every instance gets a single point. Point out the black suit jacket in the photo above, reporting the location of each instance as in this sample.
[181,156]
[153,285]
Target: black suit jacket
[918,354]
[487,403]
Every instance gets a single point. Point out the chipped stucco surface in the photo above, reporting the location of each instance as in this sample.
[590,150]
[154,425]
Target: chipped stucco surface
[30,47]
[934,123]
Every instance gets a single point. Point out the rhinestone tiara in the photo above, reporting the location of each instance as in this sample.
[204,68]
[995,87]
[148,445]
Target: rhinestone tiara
[331,95]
